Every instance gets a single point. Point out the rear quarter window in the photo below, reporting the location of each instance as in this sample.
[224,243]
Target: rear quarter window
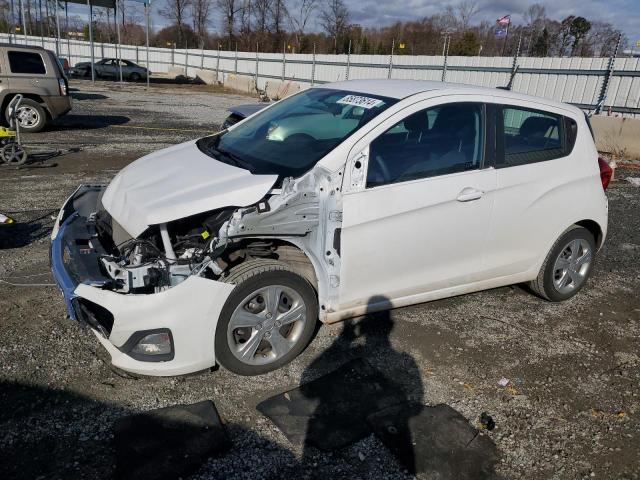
[26,63]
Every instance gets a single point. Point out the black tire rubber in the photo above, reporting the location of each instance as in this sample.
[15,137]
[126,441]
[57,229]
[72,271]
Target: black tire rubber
[135,77]
[36,106]
[247,277]
[543,285]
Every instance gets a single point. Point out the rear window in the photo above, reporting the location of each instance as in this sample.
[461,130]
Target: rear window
[26,62]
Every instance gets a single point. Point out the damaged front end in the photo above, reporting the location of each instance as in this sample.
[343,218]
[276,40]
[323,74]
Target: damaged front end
[154,300]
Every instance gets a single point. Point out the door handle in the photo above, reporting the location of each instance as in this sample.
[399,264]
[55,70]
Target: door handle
[469,194]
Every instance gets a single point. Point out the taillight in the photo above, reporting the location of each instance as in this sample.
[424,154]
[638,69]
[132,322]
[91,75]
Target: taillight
[62,83]
[606,172]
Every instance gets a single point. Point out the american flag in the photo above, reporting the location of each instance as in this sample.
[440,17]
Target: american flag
[504,20]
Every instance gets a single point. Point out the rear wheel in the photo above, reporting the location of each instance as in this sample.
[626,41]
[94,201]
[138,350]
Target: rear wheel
[268,319]
[567,267]
[30,115]
[134,77]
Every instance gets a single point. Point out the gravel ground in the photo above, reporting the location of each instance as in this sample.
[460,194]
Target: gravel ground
[571,411]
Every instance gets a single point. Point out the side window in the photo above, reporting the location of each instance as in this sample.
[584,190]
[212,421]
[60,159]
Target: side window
[436,141]
[531,136]
[26,62]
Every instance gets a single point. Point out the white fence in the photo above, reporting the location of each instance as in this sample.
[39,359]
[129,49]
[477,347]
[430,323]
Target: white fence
[574,80]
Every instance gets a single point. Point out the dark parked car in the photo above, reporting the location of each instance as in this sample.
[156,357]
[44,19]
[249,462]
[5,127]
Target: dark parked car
[110,68]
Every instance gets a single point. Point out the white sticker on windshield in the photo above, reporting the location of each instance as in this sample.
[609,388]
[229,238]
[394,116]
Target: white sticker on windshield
[364,102]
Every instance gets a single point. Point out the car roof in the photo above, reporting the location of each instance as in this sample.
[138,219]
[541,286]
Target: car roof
[401,89]
[14,46]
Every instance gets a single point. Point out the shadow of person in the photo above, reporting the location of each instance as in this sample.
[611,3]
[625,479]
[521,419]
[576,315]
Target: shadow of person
[373,377]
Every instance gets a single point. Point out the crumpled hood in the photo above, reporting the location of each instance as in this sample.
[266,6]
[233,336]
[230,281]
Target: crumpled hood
[177,182]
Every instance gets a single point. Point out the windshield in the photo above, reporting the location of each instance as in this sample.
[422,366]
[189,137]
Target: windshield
[290,137]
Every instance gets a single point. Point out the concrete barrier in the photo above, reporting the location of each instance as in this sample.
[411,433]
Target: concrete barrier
[277,90]
[617,135]
[175,72]
[206,76]
[240,83]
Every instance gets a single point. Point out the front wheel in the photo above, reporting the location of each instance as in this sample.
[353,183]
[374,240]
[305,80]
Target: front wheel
[567,267]
[268,319]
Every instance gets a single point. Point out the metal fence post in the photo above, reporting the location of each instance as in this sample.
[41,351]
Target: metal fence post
[257,64]
[346,75]
[284,58]
[173,55]
[202,58]
[186,61]
[313,66]
[137,56]
[235,67]
[607,77]
[218,63]
[393,44]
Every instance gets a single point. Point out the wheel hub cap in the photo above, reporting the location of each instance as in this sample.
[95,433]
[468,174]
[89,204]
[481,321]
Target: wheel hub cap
[266,325]
[27,116]
[572,266]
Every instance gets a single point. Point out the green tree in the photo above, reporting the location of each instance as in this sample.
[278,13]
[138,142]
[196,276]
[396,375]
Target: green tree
[541,46]
[467,45]
[578,29]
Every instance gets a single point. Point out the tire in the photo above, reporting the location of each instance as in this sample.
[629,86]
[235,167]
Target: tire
[35,116]
[561,278]
[135,77]
[255,331]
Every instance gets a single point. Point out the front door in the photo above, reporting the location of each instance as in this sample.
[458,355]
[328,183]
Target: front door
[421,221]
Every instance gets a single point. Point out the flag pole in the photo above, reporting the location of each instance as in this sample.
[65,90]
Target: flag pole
[506,37]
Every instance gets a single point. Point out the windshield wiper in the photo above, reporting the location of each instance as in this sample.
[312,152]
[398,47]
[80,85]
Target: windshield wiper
[232,158]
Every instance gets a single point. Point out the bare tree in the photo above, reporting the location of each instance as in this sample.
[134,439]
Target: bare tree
[201,11]
[229,9]
[261,9]
[466,11]
[299,19]
[278,16]
[334,18]
[176,12]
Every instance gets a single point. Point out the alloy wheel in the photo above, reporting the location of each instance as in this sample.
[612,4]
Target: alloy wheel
[572,266]
[266,325]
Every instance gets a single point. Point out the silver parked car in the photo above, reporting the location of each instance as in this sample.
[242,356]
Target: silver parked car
[110,68]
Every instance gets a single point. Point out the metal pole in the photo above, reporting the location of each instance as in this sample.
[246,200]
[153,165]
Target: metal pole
[257,62]
[119,45]
[348,61]
[146,11]
[284,58]
[41,31]
[12,24]
[24,22]
[393,45]
[506,37]
[186,58]
[57,29]
[93,72]
[235,68]
[218,63]
[173,54]
[202,57]
[313,66]
[66,27]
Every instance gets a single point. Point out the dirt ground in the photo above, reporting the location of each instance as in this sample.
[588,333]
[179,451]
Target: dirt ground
[571,410]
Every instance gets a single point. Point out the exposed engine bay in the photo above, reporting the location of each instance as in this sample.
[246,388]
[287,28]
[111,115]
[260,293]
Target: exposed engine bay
[298,223]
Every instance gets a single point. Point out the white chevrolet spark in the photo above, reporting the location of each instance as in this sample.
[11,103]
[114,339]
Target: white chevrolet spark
[343,199]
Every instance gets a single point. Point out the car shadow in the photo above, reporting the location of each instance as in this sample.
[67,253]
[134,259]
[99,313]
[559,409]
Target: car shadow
[87,96]
[30,226]
[86,122]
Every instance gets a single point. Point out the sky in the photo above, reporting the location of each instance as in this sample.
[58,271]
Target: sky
[624,14]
